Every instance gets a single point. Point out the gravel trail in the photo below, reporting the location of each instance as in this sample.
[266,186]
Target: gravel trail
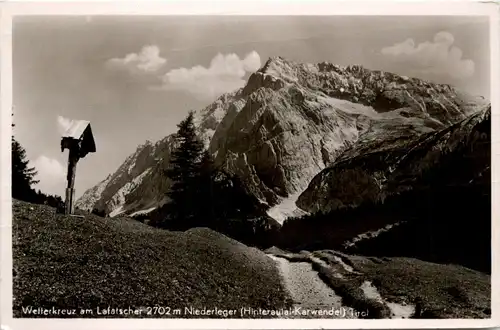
[310,294]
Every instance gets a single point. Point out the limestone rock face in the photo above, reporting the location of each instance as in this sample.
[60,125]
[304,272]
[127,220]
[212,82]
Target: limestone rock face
[353,180]
[112,193]
[297,119]
[287,124]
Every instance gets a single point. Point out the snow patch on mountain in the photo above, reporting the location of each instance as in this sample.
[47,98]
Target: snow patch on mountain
[371,234]
[145,211]
[119,210]
[286,208]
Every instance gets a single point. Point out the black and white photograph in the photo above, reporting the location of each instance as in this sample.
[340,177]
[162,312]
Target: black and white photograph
[304,167]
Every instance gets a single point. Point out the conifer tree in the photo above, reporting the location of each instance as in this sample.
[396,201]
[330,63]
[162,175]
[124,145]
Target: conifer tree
[206,186]
[203,195]
[183,171]
[23,176]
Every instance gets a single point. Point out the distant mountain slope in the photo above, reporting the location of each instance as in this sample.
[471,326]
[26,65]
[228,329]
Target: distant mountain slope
[140,183]
[111,193]
[429,199]
[373,176]
[287,124]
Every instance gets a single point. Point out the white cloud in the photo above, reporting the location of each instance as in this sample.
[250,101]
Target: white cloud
[225,74]
[51,174]
[63,124]
[438,57]
[148,60]
[252,62]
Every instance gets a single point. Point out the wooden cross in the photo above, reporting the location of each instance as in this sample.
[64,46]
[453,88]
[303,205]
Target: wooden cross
[78,139]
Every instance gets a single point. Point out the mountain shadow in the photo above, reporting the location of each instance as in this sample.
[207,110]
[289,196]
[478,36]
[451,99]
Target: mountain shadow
[442,215]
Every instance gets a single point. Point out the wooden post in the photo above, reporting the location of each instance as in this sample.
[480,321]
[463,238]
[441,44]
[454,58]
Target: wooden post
[78,139]
[70,191]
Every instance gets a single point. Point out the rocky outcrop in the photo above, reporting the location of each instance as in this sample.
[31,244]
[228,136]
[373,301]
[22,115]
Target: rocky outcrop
[291,121]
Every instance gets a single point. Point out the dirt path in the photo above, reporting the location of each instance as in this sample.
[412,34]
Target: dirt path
[312,297]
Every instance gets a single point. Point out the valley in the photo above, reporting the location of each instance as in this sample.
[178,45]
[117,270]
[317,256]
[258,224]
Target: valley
[335,188]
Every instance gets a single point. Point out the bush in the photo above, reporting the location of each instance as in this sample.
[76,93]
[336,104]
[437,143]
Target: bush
[100,213]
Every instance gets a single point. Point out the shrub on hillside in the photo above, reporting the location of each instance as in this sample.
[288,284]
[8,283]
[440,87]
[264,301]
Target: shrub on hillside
[98,212]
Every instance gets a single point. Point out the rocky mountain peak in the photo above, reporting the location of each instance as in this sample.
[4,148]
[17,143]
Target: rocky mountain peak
[273,61]
[289,122]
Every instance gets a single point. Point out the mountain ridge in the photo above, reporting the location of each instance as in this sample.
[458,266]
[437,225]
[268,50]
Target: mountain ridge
[391,171]
[288,123]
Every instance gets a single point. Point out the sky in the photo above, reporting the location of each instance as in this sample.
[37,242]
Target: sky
[135,78]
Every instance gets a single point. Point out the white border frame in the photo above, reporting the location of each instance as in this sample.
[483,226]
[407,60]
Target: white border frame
[8,10]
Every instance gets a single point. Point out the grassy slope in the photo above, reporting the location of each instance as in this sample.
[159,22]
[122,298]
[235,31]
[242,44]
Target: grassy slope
[70,262]
[445,291]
